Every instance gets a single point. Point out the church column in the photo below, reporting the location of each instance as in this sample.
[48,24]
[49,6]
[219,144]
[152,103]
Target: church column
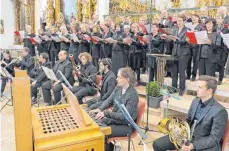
[102,8]
[57,9]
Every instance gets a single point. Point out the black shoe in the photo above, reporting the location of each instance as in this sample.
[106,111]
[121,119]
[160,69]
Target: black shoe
[219,82]
[193,79]
[181,93]
[188,77]
[34,101]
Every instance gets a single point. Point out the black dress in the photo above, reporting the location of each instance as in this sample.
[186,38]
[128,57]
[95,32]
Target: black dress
[28,44]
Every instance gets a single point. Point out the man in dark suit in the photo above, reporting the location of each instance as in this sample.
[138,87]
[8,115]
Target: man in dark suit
[108,84]
[65,66]
[211,120]
[26,62]
[39,76]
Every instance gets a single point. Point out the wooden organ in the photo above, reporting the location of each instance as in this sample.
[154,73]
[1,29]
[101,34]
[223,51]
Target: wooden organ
[66,127]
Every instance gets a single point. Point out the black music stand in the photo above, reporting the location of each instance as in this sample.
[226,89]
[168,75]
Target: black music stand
[161,62]
[6,74]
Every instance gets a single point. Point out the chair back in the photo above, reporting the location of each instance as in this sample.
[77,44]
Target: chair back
[141,110]
[98,79]
[226,136]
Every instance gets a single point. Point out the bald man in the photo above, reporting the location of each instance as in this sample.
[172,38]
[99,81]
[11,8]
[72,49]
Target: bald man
[65,66]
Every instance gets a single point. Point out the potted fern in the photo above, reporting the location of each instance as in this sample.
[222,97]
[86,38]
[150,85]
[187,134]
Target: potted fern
[155,97]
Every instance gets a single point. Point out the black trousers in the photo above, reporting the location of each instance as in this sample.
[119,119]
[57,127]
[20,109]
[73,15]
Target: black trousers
[46,90]
[34,89]
[206,67]
[193,59]
[53,57]
[117,131]
[3,85]
[163,144]
[152,74]
[94,103]
[96,62]
[180,67]
[81,91]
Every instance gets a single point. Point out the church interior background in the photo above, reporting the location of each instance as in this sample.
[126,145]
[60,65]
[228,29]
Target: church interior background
[15,14]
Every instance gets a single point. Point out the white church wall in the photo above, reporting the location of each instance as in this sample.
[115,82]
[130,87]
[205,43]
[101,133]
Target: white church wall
[7,15]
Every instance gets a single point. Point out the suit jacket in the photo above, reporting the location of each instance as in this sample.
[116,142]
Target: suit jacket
[84,46]
[27,63]
[226,20]
[212,51]
[210,127]
[181,46]
[108,85]
[39,74]
[106,48]
[28,44]
[167,24]
[66,68]
[88,70]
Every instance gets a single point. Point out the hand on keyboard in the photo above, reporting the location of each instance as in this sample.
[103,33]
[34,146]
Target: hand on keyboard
[100,115]
[94,111]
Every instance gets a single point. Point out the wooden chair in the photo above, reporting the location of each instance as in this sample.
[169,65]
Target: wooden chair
[141,109]
[226,136]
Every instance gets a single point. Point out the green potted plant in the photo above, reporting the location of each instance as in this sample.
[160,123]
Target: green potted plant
[155,97]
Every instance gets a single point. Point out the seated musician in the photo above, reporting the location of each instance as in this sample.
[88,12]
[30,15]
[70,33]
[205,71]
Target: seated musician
[27,61]
[86,78]
[108,84]
[126,94]
[39,75]
[5,63]
[65,66]
[211,120]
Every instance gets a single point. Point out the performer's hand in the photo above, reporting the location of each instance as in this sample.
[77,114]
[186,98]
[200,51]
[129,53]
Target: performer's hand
[187,148]
[55,83]
[188,40]
[163,36]
[209,41]
[100,115]
[33,83]
[94,111]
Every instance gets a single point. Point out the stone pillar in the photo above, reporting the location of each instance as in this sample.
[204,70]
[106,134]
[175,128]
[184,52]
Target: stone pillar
[102,8]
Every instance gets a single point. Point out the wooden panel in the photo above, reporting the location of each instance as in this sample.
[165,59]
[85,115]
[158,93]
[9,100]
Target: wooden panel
[22,114]
[21,73]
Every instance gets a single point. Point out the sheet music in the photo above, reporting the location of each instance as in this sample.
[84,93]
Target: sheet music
[74,38]
[49,73]
[64,38]
[111,40]
[97,38]
[201,37]
[22,34]
[45,37]
[5,73]
[225,39]
[56,39]
[37,39]
[189,25]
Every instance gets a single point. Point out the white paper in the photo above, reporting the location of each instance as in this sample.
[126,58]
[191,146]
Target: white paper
[189,25]
[64,39]
[74,38]
[56,39]
[49,73]
[37,39]
[111,40]
[201,37]
[97,38]
[22,34]
[5,73]
[225,39]
[45,37]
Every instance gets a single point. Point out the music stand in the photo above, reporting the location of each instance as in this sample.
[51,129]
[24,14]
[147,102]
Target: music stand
[161,62]
[5,73]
